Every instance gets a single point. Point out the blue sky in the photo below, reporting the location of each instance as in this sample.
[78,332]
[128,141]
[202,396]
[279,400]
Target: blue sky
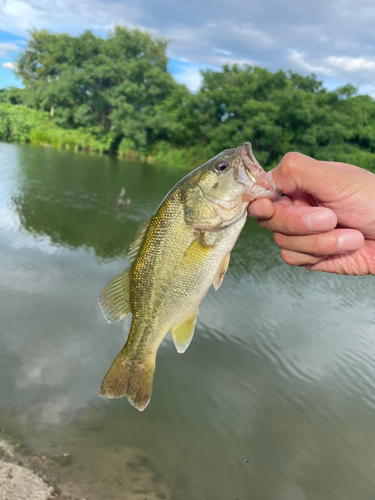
[10,45]
[332,38]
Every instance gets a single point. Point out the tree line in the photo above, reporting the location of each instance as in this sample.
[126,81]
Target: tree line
[115,94]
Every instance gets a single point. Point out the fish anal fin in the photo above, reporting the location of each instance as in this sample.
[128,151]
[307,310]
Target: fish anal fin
[114,299]
[221,273]
[138,239]
[183,333]
[131,379]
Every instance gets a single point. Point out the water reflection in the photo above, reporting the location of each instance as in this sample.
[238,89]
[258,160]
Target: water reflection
[274,399]
[72,198]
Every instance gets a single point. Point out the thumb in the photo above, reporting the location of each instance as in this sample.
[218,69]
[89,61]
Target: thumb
[299,172]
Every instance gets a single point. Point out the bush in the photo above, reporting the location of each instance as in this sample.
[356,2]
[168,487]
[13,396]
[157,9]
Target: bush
[21,124]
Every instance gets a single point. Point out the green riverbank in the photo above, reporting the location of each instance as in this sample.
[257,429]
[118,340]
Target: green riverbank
[23,125]
[116,95]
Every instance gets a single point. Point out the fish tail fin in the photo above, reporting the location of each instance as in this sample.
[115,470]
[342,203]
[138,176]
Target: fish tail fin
[131,379]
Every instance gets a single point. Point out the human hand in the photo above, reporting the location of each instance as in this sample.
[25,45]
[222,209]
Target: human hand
[326,221]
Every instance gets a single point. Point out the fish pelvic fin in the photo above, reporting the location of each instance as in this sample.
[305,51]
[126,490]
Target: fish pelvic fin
[114,299]
[131,379]
[183,333]
[223,269]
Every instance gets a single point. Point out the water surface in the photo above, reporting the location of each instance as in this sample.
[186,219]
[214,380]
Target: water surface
[273,400]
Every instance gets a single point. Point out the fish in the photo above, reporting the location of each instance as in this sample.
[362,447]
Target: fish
[175,257]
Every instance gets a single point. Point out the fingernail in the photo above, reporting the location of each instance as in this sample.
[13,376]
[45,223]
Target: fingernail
[350,241]
[321,220]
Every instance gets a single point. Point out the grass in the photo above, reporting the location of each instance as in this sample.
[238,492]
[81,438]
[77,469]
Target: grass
[24,125]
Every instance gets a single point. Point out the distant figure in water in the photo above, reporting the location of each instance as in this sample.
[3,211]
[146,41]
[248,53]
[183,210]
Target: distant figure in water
[120,201]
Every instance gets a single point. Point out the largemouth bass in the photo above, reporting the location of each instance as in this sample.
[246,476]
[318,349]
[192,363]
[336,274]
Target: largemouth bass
[176,256]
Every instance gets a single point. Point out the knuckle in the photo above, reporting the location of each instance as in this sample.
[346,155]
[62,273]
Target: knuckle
[291,222]
[288,257]
[278,238]
[318,244]
[261,223]
[323,244]
[291,161]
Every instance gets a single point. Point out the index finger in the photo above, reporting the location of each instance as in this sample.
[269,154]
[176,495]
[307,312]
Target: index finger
[298,171]
[322,180]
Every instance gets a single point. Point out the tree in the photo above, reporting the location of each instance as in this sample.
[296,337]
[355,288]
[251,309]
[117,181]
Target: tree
[119,91]
[114,83]
[279,112]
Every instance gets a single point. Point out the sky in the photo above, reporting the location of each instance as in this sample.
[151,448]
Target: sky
[335,39]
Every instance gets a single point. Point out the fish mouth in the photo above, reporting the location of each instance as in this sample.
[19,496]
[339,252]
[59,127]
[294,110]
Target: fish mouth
[263,185]
[252,167]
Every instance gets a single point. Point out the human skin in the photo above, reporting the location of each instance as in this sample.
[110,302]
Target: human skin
[326,220]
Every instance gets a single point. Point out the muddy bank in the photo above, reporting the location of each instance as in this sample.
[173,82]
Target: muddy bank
[123,473]
[17,479]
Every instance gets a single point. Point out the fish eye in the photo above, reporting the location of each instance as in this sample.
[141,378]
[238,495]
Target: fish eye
[221,167]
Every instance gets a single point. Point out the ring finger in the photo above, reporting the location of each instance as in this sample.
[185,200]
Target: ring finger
[300,259]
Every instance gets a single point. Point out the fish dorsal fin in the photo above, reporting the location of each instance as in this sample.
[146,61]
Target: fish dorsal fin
[221,273]
[137,242]
[114,299]
[183,333]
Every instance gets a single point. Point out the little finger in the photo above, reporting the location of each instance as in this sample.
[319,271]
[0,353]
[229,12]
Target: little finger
[300,259]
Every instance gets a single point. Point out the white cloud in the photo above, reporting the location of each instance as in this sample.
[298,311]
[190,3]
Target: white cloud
[7,47]
[238,30]
[224,52]
[217,43]
[352,63]
[9,65]
[298,58]
[190,77]
[332,39]
[18,16]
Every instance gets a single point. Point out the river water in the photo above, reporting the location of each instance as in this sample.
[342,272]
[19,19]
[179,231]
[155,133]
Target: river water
[273,400]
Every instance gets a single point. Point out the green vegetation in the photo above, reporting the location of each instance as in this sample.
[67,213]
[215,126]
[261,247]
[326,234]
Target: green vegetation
[116,95]
[21,124]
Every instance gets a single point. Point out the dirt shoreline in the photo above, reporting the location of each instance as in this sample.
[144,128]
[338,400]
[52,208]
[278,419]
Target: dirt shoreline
[25,476]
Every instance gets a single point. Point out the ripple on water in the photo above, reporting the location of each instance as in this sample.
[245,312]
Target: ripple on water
[274,399]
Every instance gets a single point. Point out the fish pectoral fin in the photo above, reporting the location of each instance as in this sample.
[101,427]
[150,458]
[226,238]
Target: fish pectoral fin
[183,333]
[137,242]
[221,273]
[114,299]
